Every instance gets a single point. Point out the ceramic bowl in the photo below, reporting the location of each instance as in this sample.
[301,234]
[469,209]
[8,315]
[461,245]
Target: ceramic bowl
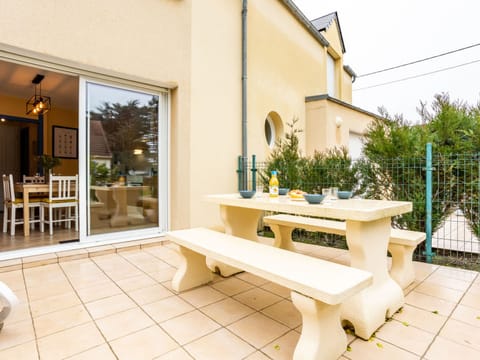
[344,194]
[283,191]
[247,194]
[314,198]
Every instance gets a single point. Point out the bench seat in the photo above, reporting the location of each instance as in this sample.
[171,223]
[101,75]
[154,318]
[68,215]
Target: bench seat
[318,286]
[401,245]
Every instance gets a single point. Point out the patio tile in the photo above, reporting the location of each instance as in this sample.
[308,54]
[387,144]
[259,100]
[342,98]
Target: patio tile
[39,260]
[167,308]
[111,305]
[69,342]
[462,333]
[457,273]
[136,282]
[422,319]
[149,343]
[376,350]
[429,303]
[181,329]
[25,351]
[99,291]
[252,279]
[202,296]
[258,329]
[13,279]
[221,344]
[60,320]
[257,298]
[451,282]
[472,298]
[443,349]
[227,311]
[405,336]
[123,323]
[10,265]
[283,347]
[20,313]
[164,275]
[16,333]
[100,250]
[277,289]
[177,354]
[149,294]
[102,352]
[232,286]
[54,303]
[439,291]
[284,312]
[258,356]
[468,315]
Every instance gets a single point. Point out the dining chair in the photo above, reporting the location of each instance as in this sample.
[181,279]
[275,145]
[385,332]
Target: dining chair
[37,179]
[62,194]
[10,202]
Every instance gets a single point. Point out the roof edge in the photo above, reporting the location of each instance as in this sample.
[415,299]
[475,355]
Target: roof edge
[340,102]
[305,22]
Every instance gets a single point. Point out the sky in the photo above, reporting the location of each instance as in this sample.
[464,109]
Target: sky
[381,34]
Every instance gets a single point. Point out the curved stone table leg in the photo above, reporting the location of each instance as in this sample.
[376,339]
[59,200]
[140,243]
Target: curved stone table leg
[366,311]
[8,301]
[323,337]
[241,222]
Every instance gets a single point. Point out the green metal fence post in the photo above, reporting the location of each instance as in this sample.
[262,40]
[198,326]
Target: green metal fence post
[428,204]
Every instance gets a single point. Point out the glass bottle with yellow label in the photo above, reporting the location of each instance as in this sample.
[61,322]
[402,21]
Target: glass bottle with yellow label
[273,185]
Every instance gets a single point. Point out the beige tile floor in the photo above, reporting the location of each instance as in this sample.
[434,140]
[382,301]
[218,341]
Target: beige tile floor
[119,305]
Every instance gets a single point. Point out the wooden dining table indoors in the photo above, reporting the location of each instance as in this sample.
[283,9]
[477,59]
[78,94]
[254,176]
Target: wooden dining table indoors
[368,225]
[26,189]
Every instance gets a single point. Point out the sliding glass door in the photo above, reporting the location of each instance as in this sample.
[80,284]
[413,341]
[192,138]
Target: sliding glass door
[127,167]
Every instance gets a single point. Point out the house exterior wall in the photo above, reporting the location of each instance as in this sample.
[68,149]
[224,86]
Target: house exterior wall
[195,45]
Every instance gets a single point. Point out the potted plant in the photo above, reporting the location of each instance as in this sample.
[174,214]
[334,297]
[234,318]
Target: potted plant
[47,163]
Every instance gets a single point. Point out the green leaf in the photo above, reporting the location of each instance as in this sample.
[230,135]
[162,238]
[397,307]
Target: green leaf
[435,312]
[277,347]
[349,348]
[379,345]
[405,323]
[478,317]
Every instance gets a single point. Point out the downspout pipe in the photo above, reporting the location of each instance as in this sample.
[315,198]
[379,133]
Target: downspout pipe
[244,80]
[244,180]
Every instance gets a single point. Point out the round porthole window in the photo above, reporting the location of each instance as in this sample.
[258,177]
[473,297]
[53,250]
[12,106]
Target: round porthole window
[273,128]
[270,135]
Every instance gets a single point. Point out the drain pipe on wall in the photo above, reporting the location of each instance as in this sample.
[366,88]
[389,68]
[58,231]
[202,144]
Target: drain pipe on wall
[244,93]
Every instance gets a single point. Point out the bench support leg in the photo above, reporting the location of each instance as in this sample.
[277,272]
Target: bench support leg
[192,272]
[283,237]
[323,337]
[402,270]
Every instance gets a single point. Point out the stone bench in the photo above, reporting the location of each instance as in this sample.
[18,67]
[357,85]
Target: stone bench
[401,246]
[318,287]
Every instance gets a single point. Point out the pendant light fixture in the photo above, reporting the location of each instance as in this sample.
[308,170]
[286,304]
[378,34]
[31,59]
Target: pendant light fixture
[38,104]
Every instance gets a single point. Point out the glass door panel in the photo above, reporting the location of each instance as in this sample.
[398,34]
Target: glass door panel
[123,149]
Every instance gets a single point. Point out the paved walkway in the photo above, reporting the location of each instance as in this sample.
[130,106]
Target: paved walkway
[121,306]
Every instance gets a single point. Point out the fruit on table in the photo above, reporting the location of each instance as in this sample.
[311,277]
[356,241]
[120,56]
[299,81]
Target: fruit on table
[296,193]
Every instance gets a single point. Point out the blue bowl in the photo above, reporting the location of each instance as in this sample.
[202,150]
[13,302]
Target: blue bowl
[314,198]
[344,194]
[247,194]
[283,191]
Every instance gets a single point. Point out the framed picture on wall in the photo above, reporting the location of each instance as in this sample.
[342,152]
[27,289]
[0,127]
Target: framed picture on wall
[65,142]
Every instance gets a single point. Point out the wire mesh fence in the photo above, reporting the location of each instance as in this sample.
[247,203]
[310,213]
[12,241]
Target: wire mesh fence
[455,205]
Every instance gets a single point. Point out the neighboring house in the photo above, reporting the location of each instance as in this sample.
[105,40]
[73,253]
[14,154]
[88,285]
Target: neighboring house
[176,68]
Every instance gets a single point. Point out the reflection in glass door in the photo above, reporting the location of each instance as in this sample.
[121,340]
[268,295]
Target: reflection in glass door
[123,148]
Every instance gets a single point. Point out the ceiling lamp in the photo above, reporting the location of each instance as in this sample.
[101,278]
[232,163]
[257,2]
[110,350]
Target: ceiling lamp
[38,104]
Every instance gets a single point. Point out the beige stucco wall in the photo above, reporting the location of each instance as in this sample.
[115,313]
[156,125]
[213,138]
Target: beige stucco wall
[197,46]
[322,131]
